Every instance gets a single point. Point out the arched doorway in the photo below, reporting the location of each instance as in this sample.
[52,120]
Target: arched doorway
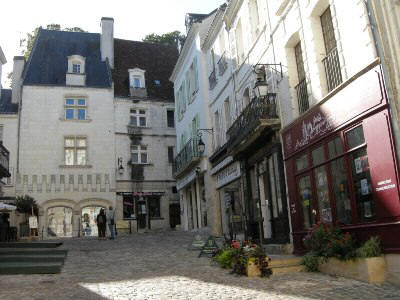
[59,221]
[89,220]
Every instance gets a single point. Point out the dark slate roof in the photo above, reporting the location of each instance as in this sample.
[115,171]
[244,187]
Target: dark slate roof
[157,60]
[48,63]
[6,107]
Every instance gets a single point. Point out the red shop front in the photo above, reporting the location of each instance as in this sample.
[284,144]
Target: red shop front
[341,164]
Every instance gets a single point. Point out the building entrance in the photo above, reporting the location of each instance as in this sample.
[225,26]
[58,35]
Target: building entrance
[59,221]
[89,220]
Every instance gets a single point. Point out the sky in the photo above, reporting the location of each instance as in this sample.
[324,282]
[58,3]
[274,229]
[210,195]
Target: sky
[133,19]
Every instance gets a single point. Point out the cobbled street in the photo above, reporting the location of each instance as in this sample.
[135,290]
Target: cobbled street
[160,266]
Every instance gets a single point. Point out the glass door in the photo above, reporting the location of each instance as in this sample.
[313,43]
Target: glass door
[305,197]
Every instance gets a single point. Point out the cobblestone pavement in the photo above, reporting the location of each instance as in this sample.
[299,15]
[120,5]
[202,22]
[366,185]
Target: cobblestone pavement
[159,266]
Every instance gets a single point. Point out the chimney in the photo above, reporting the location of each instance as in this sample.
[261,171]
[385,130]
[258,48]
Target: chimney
[107,40]
[16,84]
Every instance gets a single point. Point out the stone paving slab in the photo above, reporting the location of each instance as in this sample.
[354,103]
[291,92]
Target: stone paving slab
[159,266]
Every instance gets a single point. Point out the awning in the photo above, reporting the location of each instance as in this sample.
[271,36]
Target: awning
[7,207]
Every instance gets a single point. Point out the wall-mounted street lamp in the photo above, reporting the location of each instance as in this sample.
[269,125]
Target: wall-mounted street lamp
[201,145]
[120,166]
[261,85]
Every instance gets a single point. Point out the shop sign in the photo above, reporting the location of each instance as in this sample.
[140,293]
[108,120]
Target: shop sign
[221,165]
[385,185]
[360,95]
[181,183]
[228,174]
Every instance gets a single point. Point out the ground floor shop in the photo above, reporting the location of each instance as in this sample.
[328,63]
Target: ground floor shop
[193,202]
[252,193]
[341,164]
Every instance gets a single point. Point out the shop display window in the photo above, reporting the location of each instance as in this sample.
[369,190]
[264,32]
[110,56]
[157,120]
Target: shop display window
[154,207]
[305,198]
[340,184]
[362,185]
[128,206]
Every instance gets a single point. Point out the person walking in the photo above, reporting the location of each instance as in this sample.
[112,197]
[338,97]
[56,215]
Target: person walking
[111,222]
[101,224]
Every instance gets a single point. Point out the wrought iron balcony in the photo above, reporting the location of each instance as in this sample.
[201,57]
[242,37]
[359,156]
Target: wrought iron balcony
[187,157]
[332,69]
[4,161]
[302,96]
[212,80]
[260,111]
[133,129]
[222,65]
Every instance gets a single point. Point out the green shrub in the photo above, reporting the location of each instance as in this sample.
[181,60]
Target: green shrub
[371,248]
[311,261]
[226,258]
[326,240]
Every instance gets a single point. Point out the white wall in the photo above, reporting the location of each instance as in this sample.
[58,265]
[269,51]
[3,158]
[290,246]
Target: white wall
[43,128]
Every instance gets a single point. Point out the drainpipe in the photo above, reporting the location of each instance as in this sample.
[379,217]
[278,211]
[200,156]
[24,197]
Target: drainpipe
[380,54]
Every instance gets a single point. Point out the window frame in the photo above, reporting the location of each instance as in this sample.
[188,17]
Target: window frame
[347,156]
[76,108]
[75,148]
[136,113]
[168,118]
[139,151]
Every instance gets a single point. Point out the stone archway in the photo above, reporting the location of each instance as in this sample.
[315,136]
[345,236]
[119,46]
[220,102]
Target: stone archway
[57,218]
[89,209]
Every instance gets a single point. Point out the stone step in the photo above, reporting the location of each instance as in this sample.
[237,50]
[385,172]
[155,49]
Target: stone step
[281,264]
[24,252]
[275,249]
[32,258]
[284,260]
[287,269]
[30,267]
[30,244]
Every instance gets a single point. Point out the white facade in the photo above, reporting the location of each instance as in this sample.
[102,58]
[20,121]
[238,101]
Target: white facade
[155,175]
[196,187]
[44,173]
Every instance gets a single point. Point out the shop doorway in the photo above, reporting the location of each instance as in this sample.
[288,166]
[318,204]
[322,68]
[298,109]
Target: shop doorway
[89,220]
[273,208]
[59,221]
[174,215]
[142,213]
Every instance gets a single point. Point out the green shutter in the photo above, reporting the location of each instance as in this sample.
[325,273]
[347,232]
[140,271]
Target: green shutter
[196,74]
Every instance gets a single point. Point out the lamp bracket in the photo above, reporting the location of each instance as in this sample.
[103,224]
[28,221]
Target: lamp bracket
[208,130]
[275,67]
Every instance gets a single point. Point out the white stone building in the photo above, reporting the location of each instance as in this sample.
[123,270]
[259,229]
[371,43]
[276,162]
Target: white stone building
[70,135]
[193,123]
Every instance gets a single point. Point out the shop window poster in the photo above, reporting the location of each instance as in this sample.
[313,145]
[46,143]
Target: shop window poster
[364,187]
[357,165]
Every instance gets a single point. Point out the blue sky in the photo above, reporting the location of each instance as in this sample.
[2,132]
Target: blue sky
[133,19]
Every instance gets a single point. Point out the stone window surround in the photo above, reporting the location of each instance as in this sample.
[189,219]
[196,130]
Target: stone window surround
[76,59]
[64,165]
[138,115]
[139,151]
[75,96]
[137,73]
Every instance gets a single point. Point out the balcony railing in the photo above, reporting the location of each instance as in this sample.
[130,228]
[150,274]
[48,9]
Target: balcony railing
[187,156]
[222,65]
[257,110]
[4,161]
[133,129]
[212,80]
[332,69]
[302,96]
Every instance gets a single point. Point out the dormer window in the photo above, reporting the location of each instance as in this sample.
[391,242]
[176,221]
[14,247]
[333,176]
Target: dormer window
[76,68]
[76,64]
[76,71]
[137,82]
